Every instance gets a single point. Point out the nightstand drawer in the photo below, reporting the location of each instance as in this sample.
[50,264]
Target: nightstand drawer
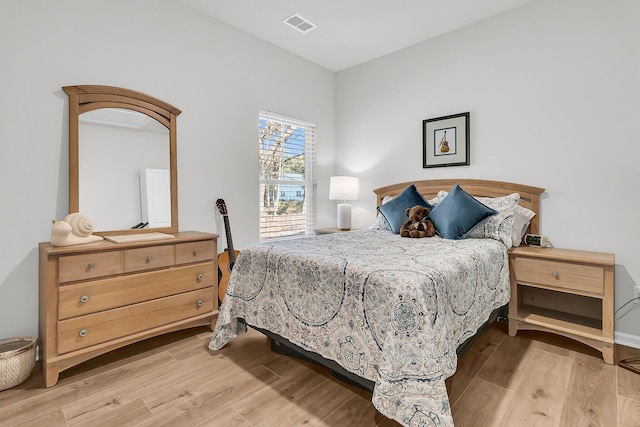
[588,278]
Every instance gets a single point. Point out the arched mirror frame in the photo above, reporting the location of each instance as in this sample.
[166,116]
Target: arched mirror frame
[85,98]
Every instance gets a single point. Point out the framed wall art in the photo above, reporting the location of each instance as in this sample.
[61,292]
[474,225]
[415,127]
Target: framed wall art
[445,141]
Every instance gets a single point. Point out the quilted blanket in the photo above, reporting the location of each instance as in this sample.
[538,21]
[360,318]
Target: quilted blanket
[389,309]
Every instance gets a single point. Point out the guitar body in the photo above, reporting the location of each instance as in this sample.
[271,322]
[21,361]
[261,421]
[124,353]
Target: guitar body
[224,271]
[227,258]
[444,144]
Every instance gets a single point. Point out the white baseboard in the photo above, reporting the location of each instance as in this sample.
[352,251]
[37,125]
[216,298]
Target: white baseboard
[627,339]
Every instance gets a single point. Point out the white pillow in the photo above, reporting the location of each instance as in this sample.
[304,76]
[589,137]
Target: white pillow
[439,196]
[381,222]
[520,223]
[499,226]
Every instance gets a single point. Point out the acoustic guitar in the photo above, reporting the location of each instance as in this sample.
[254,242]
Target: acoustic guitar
[227,258]
[444,144]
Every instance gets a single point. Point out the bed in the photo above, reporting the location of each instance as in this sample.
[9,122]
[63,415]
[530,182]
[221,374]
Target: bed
[388,313]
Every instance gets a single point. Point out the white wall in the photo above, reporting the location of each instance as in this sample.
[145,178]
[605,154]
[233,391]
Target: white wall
[554,82]
[552,88]
[218,76]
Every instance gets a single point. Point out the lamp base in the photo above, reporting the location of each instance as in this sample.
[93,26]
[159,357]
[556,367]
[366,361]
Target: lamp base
[344,216]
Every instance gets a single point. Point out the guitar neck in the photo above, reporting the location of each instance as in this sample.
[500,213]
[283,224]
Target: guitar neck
[227,229]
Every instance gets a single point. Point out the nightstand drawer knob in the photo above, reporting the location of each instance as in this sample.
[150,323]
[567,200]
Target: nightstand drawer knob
[84,298]
[90,266]
[199,303]
[149,258]
[195,252]
[83,332]
[200,277]
[556,275]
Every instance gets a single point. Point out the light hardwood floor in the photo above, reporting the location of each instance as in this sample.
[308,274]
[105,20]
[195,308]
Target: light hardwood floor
[533,379]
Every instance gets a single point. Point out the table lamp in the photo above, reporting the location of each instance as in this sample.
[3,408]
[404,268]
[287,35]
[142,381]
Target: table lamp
[344,188]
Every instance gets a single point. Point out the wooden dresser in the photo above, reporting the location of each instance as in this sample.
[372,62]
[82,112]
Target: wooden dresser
[100,296]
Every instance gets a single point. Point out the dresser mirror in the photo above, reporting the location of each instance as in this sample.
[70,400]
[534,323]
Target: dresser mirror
[122,160]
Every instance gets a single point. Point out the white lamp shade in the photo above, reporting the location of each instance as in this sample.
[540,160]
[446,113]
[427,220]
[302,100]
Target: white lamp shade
[344,188]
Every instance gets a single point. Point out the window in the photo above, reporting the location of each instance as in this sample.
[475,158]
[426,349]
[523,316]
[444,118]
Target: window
[287,176]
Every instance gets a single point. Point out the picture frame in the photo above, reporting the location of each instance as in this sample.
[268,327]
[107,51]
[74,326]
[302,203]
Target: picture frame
[445,141]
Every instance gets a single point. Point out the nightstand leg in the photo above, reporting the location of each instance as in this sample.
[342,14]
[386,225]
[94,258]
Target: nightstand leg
[513,327]
[607,354]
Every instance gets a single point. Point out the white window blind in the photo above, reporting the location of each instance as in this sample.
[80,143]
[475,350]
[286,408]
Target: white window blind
[287,176]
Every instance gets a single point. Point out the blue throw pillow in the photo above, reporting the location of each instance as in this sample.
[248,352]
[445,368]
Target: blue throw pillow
[458,213]
[395,211]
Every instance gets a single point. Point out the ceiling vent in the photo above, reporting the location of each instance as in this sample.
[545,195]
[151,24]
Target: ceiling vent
[299,23]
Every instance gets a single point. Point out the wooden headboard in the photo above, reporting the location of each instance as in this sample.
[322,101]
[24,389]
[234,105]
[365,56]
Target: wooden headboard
[529,196]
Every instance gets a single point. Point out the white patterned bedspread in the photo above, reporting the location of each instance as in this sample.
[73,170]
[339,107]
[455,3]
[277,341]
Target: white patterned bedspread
[387,308]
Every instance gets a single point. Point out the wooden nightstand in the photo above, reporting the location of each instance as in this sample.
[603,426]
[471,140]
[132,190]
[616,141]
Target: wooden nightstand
[565,292]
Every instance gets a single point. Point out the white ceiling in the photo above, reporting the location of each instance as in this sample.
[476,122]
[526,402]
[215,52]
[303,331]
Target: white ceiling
[350,32]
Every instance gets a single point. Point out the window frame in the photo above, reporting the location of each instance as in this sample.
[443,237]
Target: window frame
[307,185]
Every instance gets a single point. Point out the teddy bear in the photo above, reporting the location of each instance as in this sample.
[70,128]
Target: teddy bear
[418,224]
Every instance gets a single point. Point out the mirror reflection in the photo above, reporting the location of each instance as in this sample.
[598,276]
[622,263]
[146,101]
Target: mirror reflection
[123,168]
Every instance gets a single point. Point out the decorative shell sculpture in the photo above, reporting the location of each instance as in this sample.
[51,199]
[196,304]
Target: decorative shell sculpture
[75,229]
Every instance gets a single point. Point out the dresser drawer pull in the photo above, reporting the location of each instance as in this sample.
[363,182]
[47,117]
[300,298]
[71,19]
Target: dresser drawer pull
[556,275]
[83,332]
[149,258]
[84,298]
[195,252]
[90,266]
[199,303]
[200,277]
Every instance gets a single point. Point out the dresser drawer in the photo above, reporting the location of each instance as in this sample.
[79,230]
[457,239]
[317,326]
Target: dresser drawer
[88,266]
[194,252]
[80,332]
[98,295]
[579,277]
[148,258]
